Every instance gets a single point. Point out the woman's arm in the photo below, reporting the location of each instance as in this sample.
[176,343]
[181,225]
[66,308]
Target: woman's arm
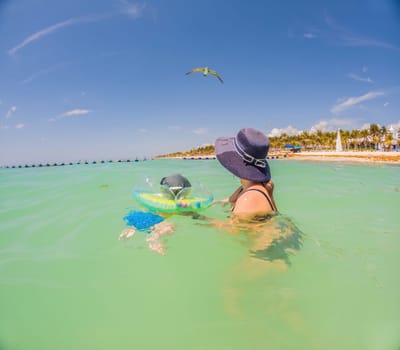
[231,199]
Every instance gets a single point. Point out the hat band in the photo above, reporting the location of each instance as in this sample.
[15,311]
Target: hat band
[261,163]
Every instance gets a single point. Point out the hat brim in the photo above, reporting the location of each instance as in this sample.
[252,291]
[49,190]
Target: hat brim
[232,161]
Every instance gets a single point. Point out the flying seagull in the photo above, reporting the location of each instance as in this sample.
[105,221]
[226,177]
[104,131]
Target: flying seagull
[205,72]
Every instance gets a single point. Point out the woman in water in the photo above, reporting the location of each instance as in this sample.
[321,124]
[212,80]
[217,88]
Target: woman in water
[245,157]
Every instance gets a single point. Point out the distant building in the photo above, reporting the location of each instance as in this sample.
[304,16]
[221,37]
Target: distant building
[395,133]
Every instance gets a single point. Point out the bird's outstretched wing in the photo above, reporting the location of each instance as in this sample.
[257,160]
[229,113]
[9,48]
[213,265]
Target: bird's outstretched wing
[195,70]
[214,73]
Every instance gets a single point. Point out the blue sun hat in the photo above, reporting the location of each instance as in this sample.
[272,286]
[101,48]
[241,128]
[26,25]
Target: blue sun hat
[245,154]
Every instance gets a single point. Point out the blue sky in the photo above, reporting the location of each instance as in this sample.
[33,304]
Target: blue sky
[105,79]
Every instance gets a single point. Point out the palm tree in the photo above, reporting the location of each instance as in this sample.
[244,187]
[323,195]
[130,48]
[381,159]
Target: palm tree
[374,132]
[364,137]
[388,141]
[345,135]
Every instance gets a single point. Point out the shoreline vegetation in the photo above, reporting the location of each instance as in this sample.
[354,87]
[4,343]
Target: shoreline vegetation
[320,156]
[376,144]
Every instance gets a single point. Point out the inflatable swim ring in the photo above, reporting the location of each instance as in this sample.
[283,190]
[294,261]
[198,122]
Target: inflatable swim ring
[158,202]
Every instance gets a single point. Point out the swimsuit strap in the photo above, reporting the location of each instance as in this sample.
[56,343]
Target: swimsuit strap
[266,196]
[235,195]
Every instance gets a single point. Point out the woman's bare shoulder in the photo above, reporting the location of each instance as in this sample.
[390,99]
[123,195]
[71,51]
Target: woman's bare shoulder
[252,201]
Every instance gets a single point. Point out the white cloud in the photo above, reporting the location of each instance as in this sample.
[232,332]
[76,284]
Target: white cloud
[332,125]
[358,78]
[333,32]
[71,113]
[347,38]
[397,125]
[354,40]
[54,28]
[289,130]
[366,126]
[200,131]
[310,35]
[386,104]
[134,10]
[143,130]
[10,112]
[364,69]
[19,126]
[76,112]
[45,72]
[44,32]
[352,101]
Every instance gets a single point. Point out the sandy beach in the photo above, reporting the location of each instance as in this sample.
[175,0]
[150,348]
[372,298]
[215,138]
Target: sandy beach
[350,156]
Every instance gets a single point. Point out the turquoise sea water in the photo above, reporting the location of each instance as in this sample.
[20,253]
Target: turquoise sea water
[67,282]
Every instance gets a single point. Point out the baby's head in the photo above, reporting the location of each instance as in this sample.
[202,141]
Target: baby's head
[175,185]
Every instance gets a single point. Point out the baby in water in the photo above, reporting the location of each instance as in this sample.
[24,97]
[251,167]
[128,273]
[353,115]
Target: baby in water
[159,230]
[174,186]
